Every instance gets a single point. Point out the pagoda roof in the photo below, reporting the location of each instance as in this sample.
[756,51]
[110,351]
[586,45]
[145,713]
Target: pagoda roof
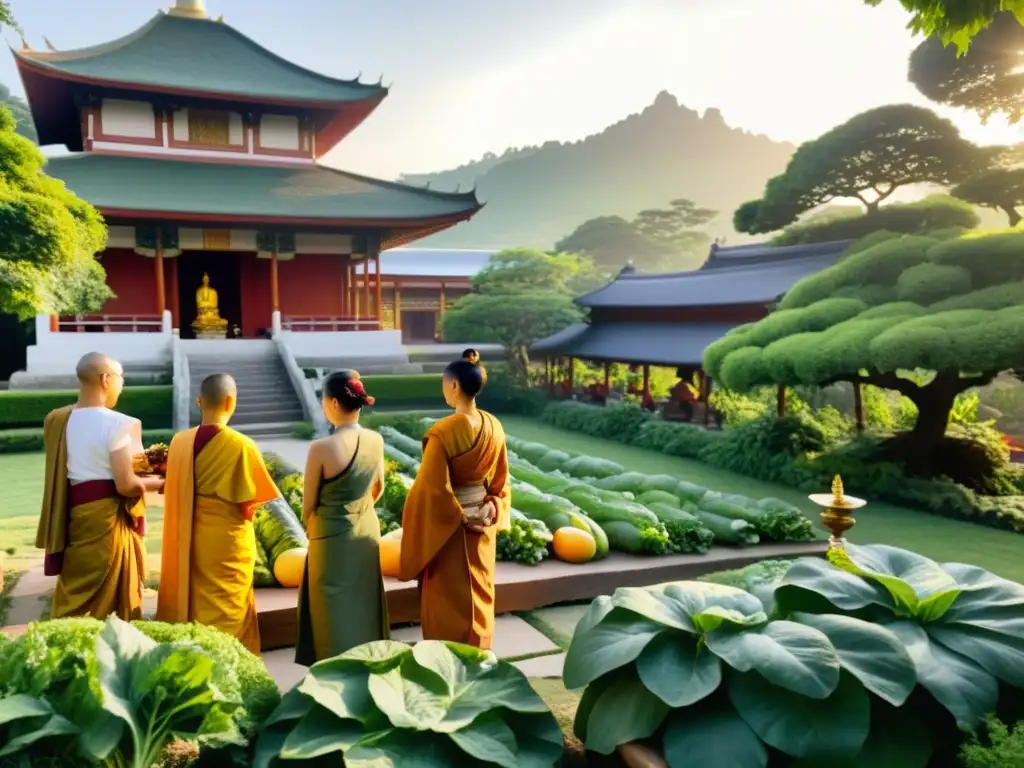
[132,187]
[432,262]
[747,274]
[198,57]
[646,343]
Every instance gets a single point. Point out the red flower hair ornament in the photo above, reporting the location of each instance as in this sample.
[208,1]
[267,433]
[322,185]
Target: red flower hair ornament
[355,390]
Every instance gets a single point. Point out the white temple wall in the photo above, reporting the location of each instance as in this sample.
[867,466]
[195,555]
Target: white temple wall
[129,119]
[279,132]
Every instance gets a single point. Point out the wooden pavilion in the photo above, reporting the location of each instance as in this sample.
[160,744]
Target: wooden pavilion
[670,319]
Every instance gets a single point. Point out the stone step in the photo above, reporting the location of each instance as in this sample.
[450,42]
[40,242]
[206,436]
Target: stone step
[248,400]
[288,406]
[266,431]
[291,415]
[221,366]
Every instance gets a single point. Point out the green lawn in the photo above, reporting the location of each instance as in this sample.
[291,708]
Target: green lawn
[936,537]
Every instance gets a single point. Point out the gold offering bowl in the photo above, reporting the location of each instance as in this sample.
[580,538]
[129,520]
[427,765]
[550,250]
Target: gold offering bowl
[838,515]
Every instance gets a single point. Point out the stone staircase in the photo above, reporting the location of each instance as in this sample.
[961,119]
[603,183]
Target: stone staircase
[268,406]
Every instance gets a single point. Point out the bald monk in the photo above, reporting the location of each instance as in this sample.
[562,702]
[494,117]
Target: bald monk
[459,501]
[215,479]
[93,503]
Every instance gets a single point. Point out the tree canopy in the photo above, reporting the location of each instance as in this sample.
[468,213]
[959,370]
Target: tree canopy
[988,79]
[658,239]
[22,115]
[48,236]
[890,306]
[867,158]
[999,188]
[521,296]
[956,22]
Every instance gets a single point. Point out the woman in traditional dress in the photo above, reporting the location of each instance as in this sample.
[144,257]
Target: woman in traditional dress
[342,602]
[460,499]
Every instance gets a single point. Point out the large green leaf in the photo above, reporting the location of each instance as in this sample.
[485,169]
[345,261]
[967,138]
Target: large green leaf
[294,705]
[677,670]
[832,729]
[652,603]
[715,616]
[612,643]
[626,711]
[320,733]
[712,735]
[812,576]
[957,682]
[918,586]
[22,706]
[790,655]
[27,732]
[522,741]
[898,739]
[587,701]
[870,653]
[378,656]
[341,690]
[594,615]
[410,696]
[698,597]
[399,748]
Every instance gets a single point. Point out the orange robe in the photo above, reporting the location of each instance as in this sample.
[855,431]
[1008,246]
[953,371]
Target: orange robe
[455,566]
[88,533]
[215,477]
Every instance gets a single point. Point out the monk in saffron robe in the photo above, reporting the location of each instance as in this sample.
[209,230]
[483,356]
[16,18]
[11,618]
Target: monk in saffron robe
[93,512]
[459,501]
[215,479]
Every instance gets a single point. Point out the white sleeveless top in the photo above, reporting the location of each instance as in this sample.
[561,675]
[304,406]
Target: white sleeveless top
[92,435]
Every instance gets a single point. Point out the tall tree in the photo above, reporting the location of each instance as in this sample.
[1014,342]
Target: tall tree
[25,125]
[953,309]
[48,236]
[956,22]
[999,188]
[611,242]
[677,227]
[866,158]
[6,17]
[988,79]
[521,296]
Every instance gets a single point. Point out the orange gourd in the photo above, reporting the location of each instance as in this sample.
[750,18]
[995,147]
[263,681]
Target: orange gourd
[574,545]
[390,553]
[289,566]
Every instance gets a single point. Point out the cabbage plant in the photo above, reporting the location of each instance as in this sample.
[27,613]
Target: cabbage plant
[826,667]
[433,704]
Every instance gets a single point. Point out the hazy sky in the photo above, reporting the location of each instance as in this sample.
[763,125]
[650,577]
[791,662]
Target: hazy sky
[472,76]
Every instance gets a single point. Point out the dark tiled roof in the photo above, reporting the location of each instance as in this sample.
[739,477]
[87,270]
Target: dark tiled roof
[201,56]
[746,274]
[651,343]
[122,183]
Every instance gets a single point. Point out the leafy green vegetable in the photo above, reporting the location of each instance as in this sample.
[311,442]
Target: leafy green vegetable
[291,488]
[278,467]
[685,530]
[404,461]
[433,705]
[406,445]
[526,541]
[262,576]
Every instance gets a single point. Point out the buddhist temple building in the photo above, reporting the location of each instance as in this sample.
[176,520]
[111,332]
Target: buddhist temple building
[201,149]
[669,319]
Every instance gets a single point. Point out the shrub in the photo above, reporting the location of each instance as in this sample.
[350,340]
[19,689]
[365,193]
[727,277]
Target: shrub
[303,430]
[434,704]
[999,748]
[501,395]
[151,405]
[883,652]
[620,422]
[31,440]
[279,467]
[405,389]
[936,213]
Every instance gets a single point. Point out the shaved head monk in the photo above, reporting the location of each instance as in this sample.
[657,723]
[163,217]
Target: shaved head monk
[215,479]
[93,503]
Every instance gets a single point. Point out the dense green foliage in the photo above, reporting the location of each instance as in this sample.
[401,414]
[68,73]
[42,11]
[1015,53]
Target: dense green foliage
[151,405]
[999,188]
[1000,747]
[30,440]
[48,236]
[950,310]
[523,295]
[956,22]
[25,126]
[883,652]
[433,705]
[404,389]
[988,79]
[657,240]
[931,215]
[867,158]
[81,691]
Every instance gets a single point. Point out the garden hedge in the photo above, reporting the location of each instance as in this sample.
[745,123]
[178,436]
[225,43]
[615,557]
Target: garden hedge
[30,440]
[151,405]
[404,389]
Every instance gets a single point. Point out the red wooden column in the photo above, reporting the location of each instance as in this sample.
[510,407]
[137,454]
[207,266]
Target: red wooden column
[397,288]
[175,298]
[647,381]
[366,286]
[858,407]
[780,401]
[355,293]
[158,264]
[572,375]
[275,295]
[444,305]
[380,290]
[607,378]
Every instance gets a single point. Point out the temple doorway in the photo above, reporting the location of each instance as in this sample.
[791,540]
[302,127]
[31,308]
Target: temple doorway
[222,267]
[418,327]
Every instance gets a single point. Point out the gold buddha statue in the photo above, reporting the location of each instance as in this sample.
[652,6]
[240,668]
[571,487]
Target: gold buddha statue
[208,322]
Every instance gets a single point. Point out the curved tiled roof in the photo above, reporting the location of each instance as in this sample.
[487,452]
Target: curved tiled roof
[650,343]
[749,274]
[121,185]
[199,56]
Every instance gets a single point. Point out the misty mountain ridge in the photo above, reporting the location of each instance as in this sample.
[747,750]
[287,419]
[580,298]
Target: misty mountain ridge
[537,195]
